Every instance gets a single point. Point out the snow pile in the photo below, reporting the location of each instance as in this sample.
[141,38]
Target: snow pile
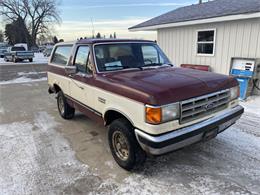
[39,58]
[30,73]
[25,77]
[22,79]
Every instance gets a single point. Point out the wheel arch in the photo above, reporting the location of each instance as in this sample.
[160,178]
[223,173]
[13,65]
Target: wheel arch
[56,88]
[112,114]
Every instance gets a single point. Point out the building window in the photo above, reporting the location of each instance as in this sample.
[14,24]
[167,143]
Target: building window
[206,42]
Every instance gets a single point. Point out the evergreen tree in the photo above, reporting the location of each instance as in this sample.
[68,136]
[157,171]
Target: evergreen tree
[55,40]
[98,36]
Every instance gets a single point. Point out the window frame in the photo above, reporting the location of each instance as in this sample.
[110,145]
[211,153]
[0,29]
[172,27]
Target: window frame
[53,52]
[88,59]
[205,42]
[157,52]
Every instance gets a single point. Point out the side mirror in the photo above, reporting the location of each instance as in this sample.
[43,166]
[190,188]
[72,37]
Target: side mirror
[70,70]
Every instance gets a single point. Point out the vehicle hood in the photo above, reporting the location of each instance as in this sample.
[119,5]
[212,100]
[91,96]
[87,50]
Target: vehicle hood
[160,86]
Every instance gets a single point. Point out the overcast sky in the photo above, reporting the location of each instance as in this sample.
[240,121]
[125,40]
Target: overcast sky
[110,16]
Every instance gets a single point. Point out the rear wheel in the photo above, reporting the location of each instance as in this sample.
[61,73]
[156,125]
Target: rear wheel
[30,60]
[65,110]
[124,146]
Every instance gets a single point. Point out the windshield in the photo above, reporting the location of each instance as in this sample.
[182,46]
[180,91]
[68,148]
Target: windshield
[120,56]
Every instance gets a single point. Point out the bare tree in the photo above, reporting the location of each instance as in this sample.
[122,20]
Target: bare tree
[38,15]
[1,36]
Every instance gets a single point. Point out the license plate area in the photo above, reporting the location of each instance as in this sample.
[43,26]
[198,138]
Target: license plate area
[208,135]
[225,125]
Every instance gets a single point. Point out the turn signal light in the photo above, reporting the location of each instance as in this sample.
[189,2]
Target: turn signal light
[153,115]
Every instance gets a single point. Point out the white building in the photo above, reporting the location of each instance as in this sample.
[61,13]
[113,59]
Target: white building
[209,33]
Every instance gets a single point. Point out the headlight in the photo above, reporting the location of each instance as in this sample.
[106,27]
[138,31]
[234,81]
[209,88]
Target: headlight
[157,115]
[234,93]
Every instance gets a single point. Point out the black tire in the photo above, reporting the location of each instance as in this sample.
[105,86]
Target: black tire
[136,156]
[30,60]
[65,110]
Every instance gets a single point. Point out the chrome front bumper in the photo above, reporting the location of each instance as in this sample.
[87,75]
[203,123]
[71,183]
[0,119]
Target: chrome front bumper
[205,130]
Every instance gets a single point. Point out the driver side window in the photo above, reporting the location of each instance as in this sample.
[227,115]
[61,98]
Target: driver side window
[82,60]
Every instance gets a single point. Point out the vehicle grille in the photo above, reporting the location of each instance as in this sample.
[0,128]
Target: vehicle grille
[199,107]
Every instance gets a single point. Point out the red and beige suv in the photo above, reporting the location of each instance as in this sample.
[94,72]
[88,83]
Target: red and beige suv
[149,106]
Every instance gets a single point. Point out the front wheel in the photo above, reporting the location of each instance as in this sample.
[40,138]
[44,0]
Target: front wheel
[124,146]
[30,60]
[65,110]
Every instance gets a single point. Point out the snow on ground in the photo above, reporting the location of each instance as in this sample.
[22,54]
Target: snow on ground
[38,59]
[36,158]
[26,77]
[22,79]
[252,105]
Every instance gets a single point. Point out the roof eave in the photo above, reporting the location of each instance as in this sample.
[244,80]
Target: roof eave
[200,21]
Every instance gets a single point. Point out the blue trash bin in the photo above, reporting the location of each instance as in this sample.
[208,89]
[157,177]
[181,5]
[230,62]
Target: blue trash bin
[243,85]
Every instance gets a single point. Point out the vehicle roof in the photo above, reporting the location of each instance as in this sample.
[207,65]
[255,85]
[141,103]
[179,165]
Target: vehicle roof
[93,41]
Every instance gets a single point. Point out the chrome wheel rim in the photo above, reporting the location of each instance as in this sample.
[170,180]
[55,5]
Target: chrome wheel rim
[61,104]
[120,145]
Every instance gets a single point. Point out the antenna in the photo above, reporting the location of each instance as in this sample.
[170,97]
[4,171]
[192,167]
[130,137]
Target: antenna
[93,29]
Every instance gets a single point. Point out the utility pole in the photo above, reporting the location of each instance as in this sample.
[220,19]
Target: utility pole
[93,29]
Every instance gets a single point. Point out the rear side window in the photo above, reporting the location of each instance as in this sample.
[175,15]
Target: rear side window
[18,49]
[61,55]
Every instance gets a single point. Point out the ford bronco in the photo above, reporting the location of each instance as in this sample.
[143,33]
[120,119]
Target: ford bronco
[149,105]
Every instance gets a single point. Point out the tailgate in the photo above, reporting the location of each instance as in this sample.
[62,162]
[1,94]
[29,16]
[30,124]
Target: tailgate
[25,53]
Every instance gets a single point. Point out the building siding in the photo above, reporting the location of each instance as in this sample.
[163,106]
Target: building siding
[239,38]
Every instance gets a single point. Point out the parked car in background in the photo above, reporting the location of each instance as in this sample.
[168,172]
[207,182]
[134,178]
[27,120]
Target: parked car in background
[18,53]
[47,51]
[149,106]
[41,48]
[2,52]
[35,49]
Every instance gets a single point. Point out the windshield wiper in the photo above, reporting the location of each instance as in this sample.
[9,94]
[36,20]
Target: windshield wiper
[155,64]
[117,67]
[149,65]
[169,64]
